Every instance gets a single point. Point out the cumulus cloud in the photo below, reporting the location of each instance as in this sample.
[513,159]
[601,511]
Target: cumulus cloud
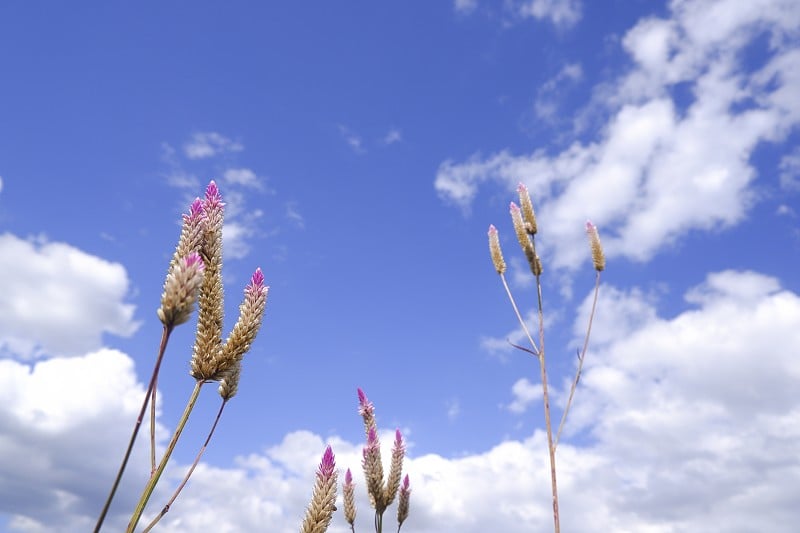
[465,6]
[242,176]
[58,299]
[203,145]
[684,423]
[661,168]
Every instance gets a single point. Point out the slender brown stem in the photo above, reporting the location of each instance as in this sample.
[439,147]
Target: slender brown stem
[151,484]
[153,428]
[581,358]
[150,392]
[166,508]
[546,401]
[519,316]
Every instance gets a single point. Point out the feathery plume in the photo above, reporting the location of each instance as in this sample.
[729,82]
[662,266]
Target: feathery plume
[320,510]
[348,491]
[395,469]
[495,251]
[180,290]
[527,209]
[403,503]
[192,230]
[598,258]
[367,412]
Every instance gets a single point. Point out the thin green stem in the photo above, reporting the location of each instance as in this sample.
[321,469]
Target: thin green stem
[151,484]
[166,508]
[581,358]
[150,392]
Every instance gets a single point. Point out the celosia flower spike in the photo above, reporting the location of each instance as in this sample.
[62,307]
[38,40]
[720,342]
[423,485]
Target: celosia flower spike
[524,240]
[229,382]
[251,314]
[527,209]
[367,412]
[495,251]
[348,491]
[320,510]
[180,290]
[403,503]
[373,471]
[395,469]
[598,258]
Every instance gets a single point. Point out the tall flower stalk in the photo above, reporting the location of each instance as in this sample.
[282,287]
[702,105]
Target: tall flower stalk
[195,275]
[525,225]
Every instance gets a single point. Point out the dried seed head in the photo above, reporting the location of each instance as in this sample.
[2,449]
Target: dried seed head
[396,468]
[404,502]
[495,251]
[320,510]
[527,209]
[348,491]
[598,258]
[180,290]
[525,240]
[373,471]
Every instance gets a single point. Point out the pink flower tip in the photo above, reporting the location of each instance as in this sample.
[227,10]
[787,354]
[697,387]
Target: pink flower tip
[398,437]
[362,398]
[328,464]
[492,229]
[513,207]
[194,259]
[406,483]
[348,477]
[195,211]
[521,187]
[589,226]
[258,278]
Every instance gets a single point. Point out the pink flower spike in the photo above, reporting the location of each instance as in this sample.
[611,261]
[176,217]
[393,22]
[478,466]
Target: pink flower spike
[365,406]
[348,477]
[513,208]
[398,439]
[406,484]
[521,188]
[195,211]
[328,464]
[372,437]
[492,230]
[258,278]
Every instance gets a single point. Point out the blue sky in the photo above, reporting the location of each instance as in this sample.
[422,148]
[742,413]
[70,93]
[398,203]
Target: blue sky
[363,150]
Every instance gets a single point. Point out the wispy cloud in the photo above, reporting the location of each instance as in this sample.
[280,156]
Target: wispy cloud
[244,177]
[465,6]
[352,139]
[293,214]
[562,13]
[208,144]
[392,136]
[551,93]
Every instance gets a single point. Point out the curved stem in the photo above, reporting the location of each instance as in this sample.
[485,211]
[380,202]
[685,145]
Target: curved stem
[150,392]
[151,484]
[581,358]
[166,508]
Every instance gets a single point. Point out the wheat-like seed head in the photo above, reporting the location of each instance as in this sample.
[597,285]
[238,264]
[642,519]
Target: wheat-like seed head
[598,258]
[322,506]
[229,382]
[348,492]
[180,290]
[404,502]
[526,205]
[395,469]
[495,251]
[373,471]
[524,239]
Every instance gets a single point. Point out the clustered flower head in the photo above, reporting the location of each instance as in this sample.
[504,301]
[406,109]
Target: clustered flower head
[323,501]
[380,495]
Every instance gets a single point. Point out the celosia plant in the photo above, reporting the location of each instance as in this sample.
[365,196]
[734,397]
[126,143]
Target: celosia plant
[195,275]
[523,219]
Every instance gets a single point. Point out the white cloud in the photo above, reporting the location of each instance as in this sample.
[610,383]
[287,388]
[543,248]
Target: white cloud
[562,13]
[790,171]
[209,144]
[525,393]
[686,423]
[659,171]
[242,176]
[549,95]
[393,136]
[465,6]
[1,183]
[352,139]
[58,299]
[294,215]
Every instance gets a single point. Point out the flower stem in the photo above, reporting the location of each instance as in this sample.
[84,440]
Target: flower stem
[151,484]
[150,392]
